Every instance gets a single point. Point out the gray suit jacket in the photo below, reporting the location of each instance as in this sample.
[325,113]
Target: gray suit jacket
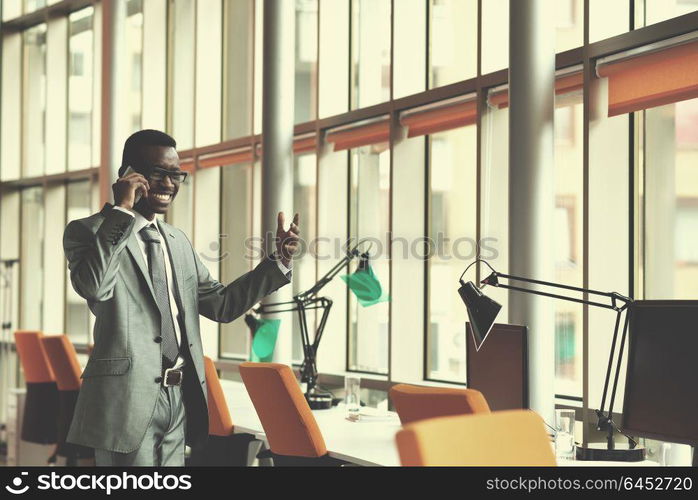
[119,391]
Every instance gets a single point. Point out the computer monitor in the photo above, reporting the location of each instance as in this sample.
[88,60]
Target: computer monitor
[662,377]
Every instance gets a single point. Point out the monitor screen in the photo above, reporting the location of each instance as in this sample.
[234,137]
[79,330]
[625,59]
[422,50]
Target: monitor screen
[662,377]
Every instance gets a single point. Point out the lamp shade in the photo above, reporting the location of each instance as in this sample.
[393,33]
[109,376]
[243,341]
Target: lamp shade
[482,311]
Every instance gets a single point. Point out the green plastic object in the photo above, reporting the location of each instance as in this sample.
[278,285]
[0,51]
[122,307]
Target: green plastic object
[366,287]
[264,340]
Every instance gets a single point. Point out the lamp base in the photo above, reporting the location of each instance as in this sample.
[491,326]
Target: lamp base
[620,453]
[318,401]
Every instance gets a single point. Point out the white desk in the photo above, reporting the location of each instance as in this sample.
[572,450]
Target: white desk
[370,441]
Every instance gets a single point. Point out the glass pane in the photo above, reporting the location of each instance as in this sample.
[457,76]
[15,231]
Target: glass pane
[181,214]
[129,94]
[32,5]
[237,249]
[607,19]
[569,24]
[183,28]
[452,228]
[453,43]
[671,201]
[370,49]
[80,81]
[237,82]
[568,220]
[306,60]
[661,10]
[495,35]
[334,58]
[370,218]
[34,102]
[77,314]
[31,260]
[410,25]
[258,66]
[304,277]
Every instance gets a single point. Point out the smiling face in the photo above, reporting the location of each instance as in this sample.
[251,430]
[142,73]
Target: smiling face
[162,192]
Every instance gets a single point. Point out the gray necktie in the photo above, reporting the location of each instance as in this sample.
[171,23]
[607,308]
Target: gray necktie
[156,265]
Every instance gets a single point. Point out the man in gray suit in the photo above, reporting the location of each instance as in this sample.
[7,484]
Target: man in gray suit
[144,388]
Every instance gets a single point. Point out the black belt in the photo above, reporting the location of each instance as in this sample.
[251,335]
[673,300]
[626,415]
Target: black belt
[172,377]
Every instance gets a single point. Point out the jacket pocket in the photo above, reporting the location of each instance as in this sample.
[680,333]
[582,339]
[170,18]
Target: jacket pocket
[108,366]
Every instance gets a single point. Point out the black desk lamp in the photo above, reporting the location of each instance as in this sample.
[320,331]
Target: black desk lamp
[309,300]
[482,312]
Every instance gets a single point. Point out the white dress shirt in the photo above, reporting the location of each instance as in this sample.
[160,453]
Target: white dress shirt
[140,223]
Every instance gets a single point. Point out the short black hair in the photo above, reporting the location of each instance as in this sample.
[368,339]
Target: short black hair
[137,140]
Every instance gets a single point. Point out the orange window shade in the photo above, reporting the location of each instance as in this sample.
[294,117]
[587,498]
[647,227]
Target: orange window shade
[563,85]
[363,135]
[242,155]
[655,79]
[33,357]
[439,119]
[305,144]
[187,165]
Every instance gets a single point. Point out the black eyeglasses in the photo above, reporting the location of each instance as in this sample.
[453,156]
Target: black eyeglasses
[176,176]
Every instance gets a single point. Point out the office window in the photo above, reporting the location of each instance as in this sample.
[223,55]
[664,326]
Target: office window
[237,248]
[568,241]
[410,33]
[304,265]
[306,60]
[80,84]
[11,9]
[370,52]
[129,94]
[453,41]
[569,24]
[608,19]
[32,5]
[77,314]
[452,229]
[258,64]
[238,42]
[370,218]
[495,35]
[334,58]
[183,32]
[660,10]
[11,107]
[31,259]
[671,201]
[34,102]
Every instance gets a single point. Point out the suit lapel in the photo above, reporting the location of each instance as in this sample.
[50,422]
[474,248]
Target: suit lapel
[135,251]
[177,259]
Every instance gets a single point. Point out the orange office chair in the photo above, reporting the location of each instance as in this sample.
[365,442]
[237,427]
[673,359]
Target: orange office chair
[414,402]
[223,446]
[64,362]
[39,424]
[293,434]
[504,438]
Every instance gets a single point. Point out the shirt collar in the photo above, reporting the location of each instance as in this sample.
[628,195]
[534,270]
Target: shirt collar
[141,222]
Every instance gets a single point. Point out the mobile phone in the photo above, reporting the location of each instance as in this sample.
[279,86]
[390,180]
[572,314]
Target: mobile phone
[137,197]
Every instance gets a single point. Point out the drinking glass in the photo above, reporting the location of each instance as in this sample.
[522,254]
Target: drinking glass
[564,434]
[352,398]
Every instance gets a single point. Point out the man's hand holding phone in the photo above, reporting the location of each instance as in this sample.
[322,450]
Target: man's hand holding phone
[129,188]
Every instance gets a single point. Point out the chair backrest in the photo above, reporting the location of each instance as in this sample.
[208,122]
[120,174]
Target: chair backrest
[33,357]
[504,438]
[219,421]
[63,360]
[414,402]
[289,424]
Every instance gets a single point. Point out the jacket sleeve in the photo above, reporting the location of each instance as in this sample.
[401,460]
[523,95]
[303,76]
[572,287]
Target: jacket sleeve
[224,303]
[93,256]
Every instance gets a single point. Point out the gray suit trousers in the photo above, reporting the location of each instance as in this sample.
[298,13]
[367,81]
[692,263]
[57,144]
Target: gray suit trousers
[163,444]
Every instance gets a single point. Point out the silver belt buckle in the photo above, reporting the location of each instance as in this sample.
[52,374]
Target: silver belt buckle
[172,378]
